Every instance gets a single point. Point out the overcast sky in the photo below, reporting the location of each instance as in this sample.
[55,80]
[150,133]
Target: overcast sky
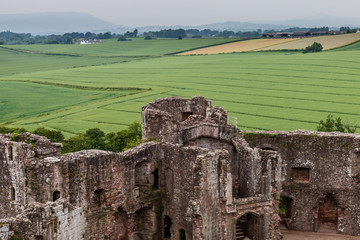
[187,12]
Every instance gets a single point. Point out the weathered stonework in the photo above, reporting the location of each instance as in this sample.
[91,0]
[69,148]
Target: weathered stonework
[322,181]
[196,178]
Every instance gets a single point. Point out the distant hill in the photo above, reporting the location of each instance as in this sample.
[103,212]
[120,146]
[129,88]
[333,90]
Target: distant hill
[230,26]
[62,22]
[53,23]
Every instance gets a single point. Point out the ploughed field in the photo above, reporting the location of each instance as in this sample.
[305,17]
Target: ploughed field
[76,87]
[241,46]
[328,42]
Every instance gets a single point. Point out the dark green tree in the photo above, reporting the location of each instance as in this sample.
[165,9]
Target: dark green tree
[53,135]
[331,124]
[315,47]
[121,38]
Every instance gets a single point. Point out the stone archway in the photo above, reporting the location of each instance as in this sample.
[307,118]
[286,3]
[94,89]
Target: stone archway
[328,215]
[249,226]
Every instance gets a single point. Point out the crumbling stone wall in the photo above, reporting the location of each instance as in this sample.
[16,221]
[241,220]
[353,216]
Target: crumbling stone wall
[250,176]
[197,178]
[319,166]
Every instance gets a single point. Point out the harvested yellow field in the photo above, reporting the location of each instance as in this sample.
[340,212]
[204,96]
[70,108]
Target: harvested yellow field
[242,46]
[327,42]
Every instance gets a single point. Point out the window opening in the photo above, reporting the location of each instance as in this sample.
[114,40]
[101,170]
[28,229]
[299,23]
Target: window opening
[167,227]
[301,174]
[13,196]
[99,196]
[156,179]
[56,195]
[185,115]
[182,235]
[10,152]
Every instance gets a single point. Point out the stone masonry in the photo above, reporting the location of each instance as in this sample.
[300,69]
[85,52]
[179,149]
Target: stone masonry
[195,177]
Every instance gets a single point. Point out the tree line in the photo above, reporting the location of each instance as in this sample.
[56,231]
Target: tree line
[315,29]
[195,33]
[93,138]
[8,37]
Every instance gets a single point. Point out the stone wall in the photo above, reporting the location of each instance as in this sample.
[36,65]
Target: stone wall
[322,171]
[197,178]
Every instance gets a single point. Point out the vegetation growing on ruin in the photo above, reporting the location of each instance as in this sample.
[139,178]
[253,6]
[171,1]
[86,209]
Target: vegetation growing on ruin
[264,91]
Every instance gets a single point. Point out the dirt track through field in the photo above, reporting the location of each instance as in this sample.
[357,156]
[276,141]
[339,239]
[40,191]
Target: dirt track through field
[242,46]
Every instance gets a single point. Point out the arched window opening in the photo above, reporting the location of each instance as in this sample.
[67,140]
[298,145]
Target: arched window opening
[99,196]
[249,226]
[13,195]
[56,195]
[182,235]
[167,227]
[156,179]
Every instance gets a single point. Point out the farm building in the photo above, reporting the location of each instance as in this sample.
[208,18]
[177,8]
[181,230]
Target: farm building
[89,41]
[196,177]
[300,34]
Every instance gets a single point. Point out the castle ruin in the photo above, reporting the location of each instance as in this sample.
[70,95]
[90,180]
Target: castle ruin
[195,177]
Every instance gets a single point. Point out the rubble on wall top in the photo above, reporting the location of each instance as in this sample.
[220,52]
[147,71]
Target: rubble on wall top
[307,133]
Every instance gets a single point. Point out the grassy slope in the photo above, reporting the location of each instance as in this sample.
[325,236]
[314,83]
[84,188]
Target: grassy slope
[29,97]
[351,47]
[111,48]
[262,90]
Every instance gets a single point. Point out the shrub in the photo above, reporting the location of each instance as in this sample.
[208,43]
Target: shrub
[53,135]
[336,125]
[122,38]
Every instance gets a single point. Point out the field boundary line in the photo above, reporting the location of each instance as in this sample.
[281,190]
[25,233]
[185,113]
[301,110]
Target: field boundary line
[211,45]
[345,45]
[80,87]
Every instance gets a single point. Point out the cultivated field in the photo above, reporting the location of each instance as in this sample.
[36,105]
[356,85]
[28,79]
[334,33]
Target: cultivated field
[110,48]
[262,90]
[242,46]
[328,42]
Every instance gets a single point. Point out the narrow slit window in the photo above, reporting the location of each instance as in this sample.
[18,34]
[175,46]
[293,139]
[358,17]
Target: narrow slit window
[10,152]
[156,179]
[13,195]
[167,227]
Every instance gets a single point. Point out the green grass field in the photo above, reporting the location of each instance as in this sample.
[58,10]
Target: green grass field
[106,88]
